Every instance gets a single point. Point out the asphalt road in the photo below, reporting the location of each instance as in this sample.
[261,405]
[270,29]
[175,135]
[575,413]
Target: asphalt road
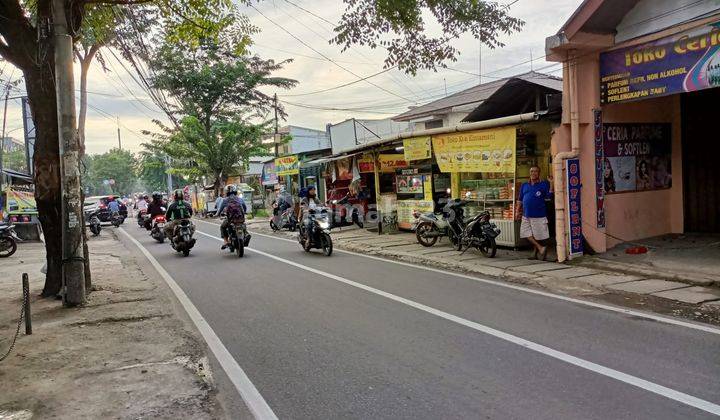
[355,337]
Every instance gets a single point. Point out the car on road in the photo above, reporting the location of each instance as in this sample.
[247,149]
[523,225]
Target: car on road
[101,201]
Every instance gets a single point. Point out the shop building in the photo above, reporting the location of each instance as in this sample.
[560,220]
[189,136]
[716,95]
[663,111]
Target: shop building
[639,83]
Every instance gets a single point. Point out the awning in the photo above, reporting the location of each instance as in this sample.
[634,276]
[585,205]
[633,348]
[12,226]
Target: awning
[327,159]
[18,175]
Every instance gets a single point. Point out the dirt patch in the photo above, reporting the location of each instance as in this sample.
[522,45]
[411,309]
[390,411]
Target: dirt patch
[127,354]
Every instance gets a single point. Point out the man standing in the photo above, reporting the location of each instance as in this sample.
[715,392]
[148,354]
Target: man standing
[533,212]
[218,203]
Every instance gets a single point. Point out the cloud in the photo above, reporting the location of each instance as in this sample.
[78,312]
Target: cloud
[115,93]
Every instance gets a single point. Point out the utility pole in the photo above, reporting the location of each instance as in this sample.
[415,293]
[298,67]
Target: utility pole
[275,137]
[169,176]
[2,138]
[73,268]
[118,128]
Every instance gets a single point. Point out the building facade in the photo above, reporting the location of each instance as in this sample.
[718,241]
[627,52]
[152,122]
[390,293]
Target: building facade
[639,84]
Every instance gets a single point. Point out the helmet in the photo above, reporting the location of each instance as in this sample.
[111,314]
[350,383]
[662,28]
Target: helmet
[178,195]
[157,196]
[145,197]
[231,189]
[111,198]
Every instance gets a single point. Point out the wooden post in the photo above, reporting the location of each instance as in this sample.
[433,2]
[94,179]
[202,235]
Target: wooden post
[376,171]
[26,302]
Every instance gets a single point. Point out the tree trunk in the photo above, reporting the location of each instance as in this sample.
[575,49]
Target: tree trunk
[41,94]
[82,112]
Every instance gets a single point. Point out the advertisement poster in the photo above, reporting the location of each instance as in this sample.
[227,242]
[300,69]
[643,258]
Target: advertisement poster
[637,157]
[366,164]
[685,62]
[389,163]
[405,209]
[287,165]
[573,184]
[477,151]
[418,148]
[409,184]
[599,169]
[344,168]
[269,176]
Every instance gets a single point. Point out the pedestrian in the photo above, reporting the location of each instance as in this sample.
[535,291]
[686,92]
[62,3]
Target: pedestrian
[533,213]
[218,202]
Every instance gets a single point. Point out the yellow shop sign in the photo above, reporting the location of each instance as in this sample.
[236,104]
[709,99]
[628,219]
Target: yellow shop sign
[287,165]
[418,148]
[476,151]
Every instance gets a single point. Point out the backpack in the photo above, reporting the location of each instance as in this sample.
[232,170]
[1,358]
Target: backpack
[235,211]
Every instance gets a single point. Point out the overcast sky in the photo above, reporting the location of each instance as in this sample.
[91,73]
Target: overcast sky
[115,93]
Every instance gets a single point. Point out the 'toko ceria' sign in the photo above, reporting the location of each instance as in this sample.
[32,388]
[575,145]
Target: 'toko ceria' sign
[686,62]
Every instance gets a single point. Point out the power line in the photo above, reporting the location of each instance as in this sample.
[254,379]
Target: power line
[326,57]
[340,86]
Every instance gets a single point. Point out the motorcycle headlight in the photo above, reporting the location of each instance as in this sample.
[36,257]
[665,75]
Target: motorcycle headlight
[324,224]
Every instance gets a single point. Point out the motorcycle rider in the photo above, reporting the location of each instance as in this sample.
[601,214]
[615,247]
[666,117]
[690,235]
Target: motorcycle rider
[177,211]
[155,208]
[236,209]
[309,202]
[113,207]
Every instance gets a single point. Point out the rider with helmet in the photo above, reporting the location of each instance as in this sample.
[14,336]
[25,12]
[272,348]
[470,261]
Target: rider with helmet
[113,205]
[177,211]
[235,208]
[156,206]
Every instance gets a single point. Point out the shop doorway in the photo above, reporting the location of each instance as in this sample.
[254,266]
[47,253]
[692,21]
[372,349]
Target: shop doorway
[701,158]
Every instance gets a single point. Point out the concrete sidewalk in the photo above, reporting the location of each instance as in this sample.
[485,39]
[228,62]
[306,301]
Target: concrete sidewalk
[514,266]
[129,353]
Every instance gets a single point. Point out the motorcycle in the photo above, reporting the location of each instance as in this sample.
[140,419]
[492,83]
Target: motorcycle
[8,240]
[479,233]
[182,240]
[341,211]
[156,231]
[141,218]
[450,222]
[284,219]
[238,237]
[320,235]
[92,219]
[116,219]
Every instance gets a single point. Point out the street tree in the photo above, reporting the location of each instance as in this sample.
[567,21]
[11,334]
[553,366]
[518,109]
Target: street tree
[152,171]
[113,172]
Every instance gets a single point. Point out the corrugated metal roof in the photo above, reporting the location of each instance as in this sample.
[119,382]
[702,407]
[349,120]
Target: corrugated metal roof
[478,94]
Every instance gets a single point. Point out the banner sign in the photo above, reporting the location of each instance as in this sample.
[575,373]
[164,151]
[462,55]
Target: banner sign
[477,151]
[269,176]
[418,148]
[685,62]
[409,184]
[574,222]
[287,165]
[366,164]
[405,209]
[389,163]
[29,133]
[599,169]
[637,157]
[20,202]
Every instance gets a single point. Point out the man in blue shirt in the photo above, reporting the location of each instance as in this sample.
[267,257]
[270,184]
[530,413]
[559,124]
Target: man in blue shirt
[113,205]
[534,224]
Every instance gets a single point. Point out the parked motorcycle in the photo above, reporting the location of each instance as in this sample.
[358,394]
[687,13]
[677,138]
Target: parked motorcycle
[156,231]
[8,240]
[450,222]
[92,218]
[182,240]
[479,233]
[341,211]
[320,235]
[239,238]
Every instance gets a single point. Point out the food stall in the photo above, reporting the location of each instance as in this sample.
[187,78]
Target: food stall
[490,165]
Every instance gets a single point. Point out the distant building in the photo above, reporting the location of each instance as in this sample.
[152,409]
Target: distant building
[302,140]
[353,132]
[11,144]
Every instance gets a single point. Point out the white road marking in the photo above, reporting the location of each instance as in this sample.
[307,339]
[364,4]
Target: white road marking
[531,345]
[255,402]
[617,309]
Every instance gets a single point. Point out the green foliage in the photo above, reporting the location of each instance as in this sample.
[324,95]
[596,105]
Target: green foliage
[118,165]
[152,172]
[399,26]
[15,160]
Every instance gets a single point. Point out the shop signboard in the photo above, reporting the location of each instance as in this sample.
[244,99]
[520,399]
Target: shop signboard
[366,164]
[409,183]
[269,176]
[477,151]
[599,169]
[685,62]
[389,163]
[20,202]
[405,209]
[637,157]
[418,148]
[574,214]
[287,165]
